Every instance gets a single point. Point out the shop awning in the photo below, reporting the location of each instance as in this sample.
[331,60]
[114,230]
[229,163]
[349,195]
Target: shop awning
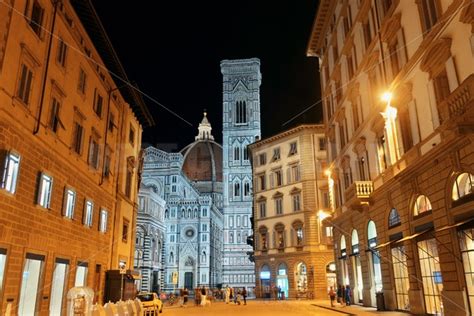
[466,221]
[414,235]
[385,244]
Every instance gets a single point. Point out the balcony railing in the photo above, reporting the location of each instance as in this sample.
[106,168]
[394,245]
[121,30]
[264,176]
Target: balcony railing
[457,103]
[358,194]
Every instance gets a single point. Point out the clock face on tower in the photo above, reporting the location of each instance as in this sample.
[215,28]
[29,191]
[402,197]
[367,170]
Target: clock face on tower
[189,233]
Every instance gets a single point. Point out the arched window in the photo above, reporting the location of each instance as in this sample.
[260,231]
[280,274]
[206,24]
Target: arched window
[355,242]
[245,152]
[171,257]
[393,218]
[236,189]
[343,246]
[183,214]
[189,213]
[376,263]
[247,188]
[464,185]
[167,214]
[422,205]
[240,112]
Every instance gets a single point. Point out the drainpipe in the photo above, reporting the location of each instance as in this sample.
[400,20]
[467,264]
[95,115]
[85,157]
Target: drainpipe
[45,74]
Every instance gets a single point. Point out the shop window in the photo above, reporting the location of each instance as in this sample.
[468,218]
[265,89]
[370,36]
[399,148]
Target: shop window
[401,278]
[81,274]
[430,275]
[31,284]
[58,286]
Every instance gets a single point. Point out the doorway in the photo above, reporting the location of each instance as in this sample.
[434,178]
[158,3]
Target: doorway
[188,280]
[282,280]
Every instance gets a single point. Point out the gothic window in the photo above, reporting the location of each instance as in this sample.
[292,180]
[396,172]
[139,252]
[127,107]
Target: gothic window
[240,112]
[231,237]
[171,258]
[245,152]
[247,188]
[236,189]
[236,153]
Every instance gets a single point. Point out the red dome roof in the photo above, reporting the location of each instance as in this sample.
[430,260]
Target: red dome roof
[203,161]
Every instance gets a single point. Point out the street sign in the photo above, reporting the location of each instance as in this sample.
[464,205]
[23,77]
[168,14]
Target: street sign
[174,277]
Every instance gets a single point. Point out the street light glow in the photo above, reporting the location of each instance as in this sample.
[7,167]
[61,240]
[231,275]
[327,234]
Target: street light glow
[387,96]
[327,172]
[323,215]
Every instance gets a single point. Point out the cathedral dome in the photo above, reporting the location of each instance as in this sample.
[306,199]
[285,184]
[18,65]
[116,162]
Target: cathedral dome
[203,157]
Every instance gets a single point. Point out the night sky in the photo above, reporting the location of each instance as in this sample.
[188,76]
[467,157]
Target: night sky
[173,49]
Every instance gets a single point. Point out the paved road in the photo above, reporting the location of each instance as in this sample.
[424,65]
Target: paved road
[273,308]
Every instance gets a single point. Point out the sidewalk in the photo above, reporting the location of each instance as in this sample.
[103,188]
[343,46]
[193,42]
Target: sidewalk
[355,309]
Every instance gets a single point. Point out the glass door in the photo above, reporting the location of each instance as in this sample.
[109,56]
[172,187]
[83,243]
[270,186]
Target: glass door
[431,276]
[358,279]
[400,275]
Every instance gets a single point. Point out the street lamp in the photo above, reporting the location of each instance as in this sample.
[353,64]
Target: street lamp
[321,216]
[390,116]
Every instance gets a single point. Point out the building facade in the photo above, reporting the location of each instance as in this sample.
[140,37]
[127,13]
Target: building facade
[69,141]
[187,186]
[401,167]
[241,127]
[293,245]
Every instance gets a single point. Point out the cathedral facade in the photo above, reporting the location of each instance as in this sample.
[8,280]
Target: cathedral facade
[202,198]
[190,184]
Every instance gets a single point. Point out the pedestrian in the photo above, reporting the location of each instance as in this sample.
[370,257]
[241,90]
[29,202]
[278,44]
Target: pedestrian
[279,292]
[339,293]
[185,296]
[197,296]
[275,292]
[227,294]
[332,296]
[244,295]
[348,293]
[203,297]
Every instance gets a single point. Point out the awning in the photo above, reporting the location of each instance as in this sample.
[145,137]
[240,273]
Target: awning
[385,244]
[466,221]
[413,236]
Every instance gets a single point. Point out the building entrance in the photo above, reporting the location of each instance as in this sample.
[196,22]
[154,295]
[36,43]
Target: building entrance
[188,280]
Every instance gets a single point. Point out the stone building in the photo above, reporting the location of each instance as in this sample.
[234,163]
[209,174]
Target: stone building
[241,127]
[187,225]
[400,167]
[293,246]
[69,141]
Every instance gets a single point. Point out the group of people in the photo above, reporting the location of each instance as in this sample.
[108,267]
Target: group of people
[343,294]
[236,295]
[202,295]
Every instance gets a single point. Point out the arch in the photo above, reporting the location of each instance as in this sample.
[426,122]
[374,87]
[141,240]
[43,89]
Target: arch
[394,218]
[422,205]
[371,230]
[301,278]
[462,186]
[343,242]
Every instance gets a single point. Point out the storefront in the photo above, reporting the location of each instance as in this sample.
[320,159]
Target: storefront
[430,275]
[465,237]
[301,279]
[265,282]
[343,262]
[282,280]
[401,278]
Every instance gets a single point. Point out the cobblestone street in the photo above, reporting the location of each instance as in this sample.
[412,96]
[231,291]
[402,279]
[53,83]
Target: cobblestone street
[273,308]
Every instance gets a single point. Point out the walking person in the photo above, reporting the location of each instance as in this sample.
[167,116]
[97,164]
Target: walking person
[244,295]
[348,294]
[227,294]
[339,294]
[203,297]
[332,296]
[185,296]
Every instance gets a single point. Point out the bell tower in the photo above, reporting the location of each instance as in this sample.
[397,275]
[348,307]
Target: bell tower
[241,127]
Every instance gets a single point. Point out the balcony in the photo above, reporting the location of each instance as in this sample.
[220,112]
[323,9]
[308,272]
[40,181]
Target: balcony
[456,109]
[358,194]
